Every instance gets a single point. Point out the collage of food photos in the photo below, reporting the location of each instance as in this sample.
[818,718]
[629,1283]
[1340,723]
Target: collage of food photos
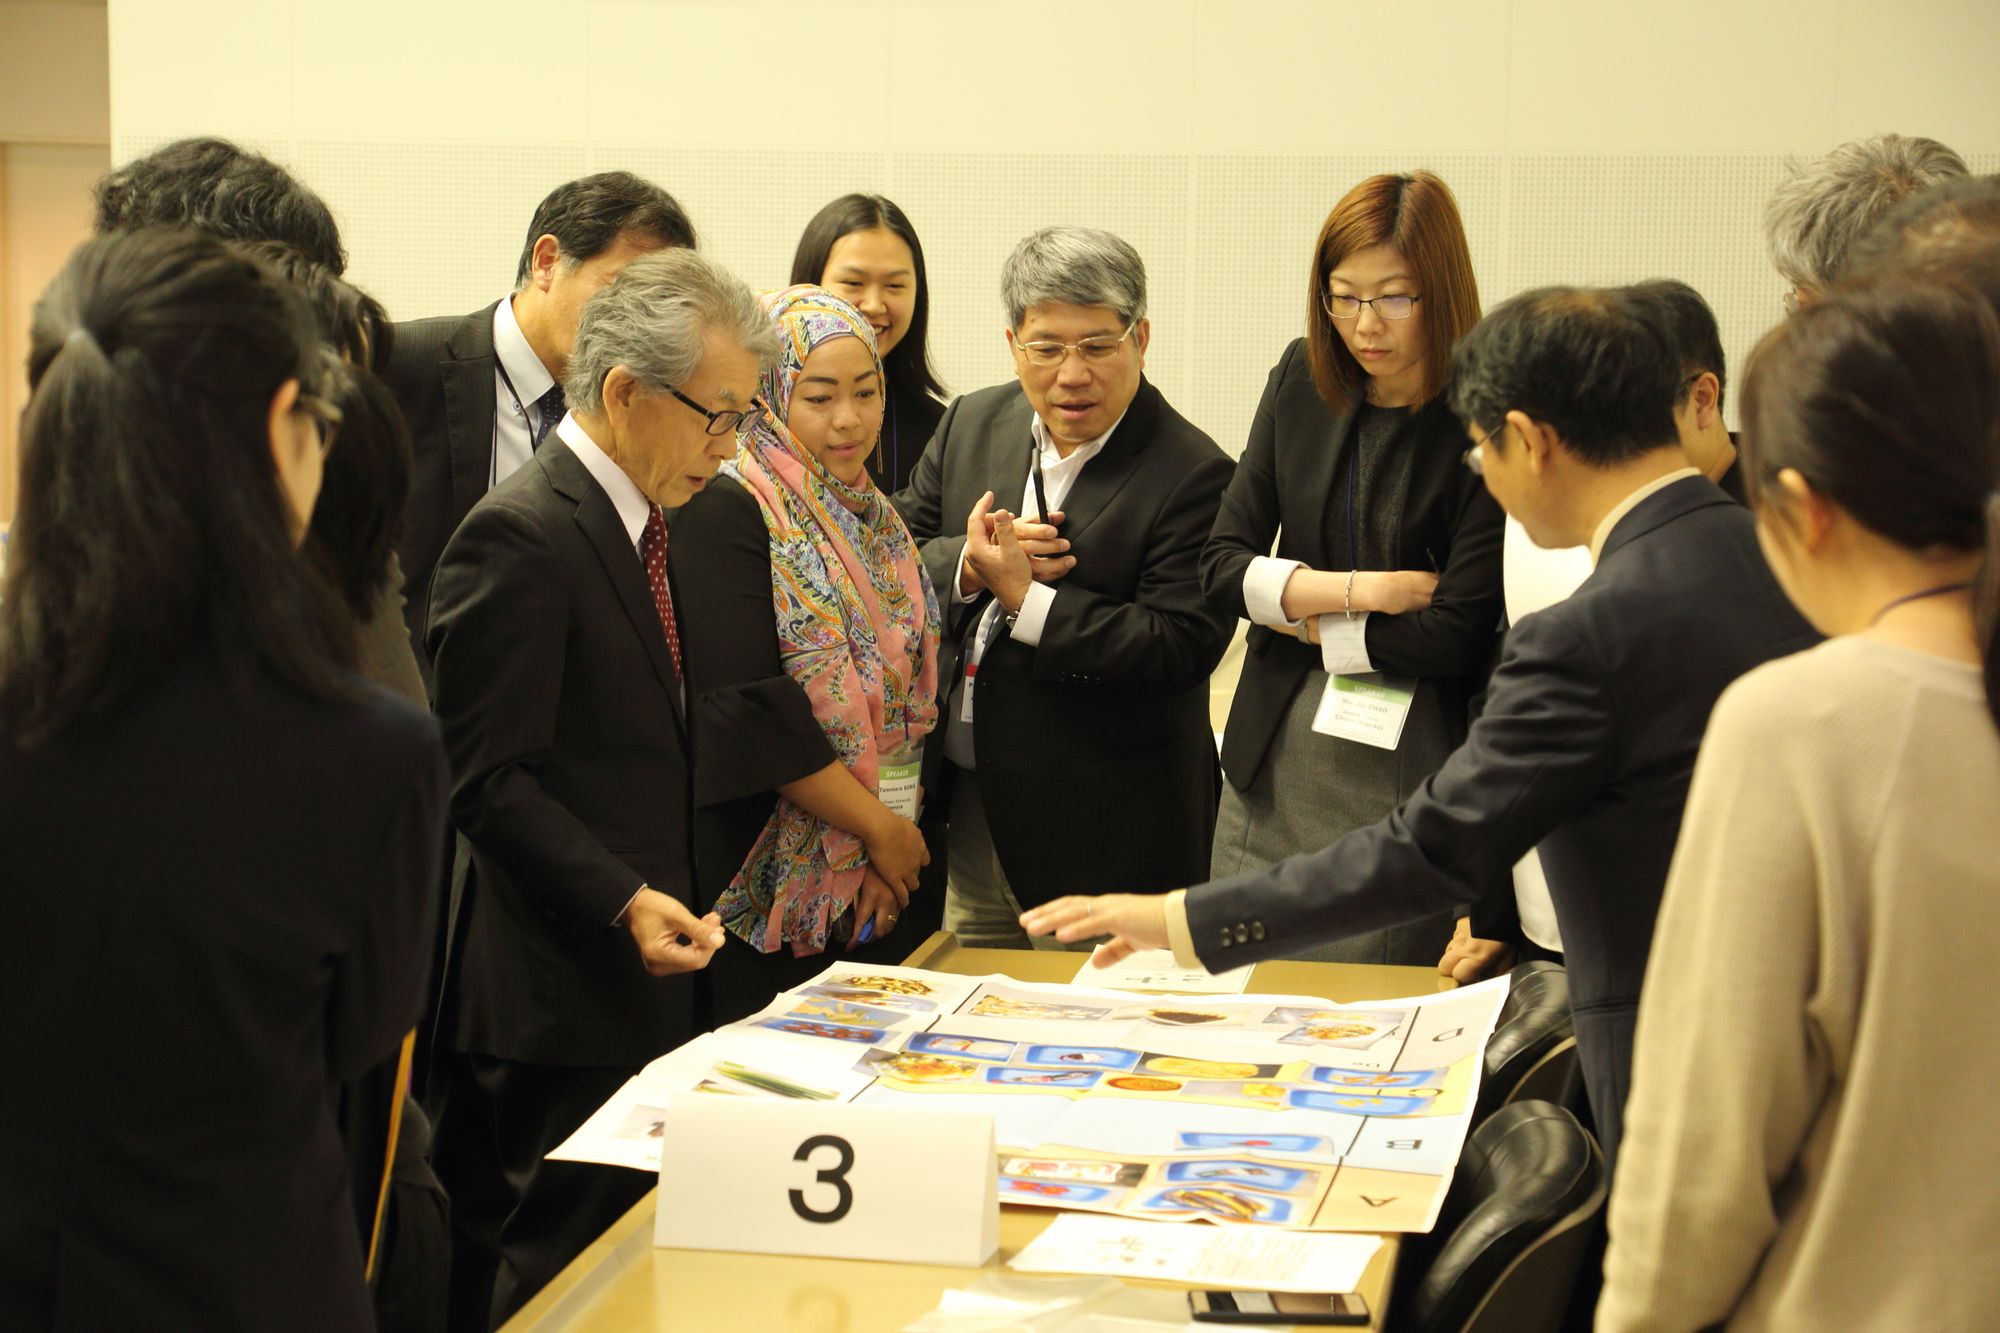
[1280,1110]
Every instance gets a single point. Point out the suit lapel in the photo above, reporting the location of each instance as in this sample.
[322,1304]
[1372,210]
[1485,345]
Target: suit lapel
[467,378]
[1105,475]
[605,531]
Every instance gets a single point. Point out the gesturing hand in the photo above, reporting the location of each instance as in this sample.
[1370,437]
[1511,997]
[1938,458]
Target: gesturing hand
[669,937]
[1134,921]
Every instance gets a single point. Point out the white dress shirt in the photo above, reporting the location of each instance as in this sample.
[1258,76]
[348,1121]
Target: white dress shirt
[513,445]
[1059,475]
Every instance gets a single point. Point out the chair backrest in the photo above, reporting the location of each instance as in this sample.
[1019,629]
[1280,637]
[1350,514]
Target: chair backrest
[1532,1024]
[1513,1230]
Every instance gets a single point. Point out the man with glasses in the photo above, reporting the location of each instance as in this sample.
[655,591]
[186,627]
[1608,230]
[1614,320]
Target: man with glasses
[1061,518]
[556,672]
[483,391]
[1594,714]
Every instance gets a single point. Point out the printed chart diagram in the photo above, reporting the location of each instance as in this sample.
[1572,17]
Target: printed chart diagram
[1282,1111]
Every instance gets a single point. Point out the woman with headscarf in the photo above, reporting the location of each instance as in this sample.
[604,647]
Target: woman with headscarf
[810,632]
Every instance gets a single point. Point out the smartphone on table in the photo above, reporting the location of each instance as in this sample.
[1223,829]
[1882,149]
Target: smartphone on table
[1263,1307]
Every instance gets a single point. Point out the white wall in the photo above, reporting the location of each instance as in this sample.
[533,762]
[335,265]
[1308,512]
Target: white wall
[1587,142]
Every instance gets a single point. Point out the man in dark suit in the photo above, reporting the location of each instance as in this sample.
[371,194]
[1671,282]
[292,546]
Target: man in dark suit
[557,679]
[1061,518]
[1595,712]
[481,392]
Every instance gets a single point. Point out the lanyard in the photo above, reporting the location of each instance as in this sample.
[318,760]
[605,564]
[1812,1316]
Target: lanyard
[1938,591]
[1035,471]
[519,409]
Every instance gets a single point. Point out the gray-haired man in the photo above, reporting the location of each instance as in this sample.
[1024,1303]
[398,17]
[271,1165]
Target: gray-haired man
[1061,518]
[556,678]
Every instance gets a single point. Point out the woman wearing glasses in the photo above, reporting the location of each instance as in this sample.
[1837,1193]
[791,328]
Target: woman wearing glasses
[1388,549]
[218,846]
[811,638]
[862,248]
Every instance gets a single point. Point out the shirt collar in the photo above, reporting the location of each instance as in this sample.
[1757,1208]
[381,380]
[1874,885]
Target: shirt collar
[1631,502]
[531,379]
[632,505]
[1046,442]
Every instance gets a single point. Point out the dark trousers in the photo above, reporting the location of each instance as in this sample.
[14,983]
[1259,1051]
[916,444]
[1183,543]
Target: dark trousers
[517,1220]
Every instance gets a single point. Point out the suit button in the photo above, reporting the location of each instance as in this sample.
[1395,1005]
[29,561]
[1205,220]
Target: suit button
[1257,930]
[1242,933]
[1226,941]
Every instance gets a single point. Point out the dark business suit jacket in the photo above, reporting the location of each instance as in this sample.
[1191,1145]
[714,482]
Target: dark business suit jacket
[1289,472]
[218,909]
[441,371]
[1585,747]
[1095,755]
[570,757]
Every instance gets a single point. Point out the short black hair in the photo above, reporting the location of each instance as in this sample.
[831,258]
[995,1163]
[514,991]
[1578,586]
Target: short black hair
[1687,323]
[1579,359]
[211,185]
[909,362]
[351,321]
[588,215]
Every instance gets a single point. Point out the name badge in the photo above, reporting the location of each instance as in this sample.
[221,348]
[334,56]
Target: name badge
[1369,708]
[897,778]
[834,1181]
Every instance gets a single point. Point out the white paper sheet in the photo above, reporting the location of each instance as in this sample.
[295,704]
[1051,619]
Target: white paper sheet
[1155,970]
[1218,1256]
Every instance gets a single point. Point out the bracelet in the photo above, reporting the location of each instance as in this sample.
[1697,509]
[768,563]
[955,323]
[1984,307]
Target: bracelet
[1347,598]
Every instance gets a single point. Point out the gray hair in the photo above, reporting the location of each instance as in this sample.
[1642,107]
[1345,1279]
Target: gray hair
[1823,207]
[1074,266]
[654,319]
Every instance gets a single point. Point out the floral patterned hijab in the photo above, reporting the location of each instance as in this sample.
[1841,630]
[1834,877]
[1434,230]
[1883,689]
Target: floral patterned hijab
[857,628]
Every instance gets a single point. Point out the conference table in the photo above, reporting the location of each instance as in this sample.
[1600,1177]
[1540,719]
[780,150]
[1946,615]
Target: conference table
[623,1284]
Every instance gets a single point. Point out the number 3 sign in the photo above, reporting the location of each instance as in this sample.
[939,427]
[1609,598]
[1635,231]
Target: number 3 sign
[841,1182]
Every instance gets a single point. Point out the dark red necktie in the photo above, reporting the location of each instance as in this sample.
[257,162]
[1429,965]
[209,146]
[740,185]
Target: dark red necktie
[653,550]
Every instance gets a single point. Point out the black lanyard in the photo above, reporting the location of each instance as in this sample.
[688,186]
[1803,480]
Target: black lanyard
[520,410]
[1939,591]
[1035,471]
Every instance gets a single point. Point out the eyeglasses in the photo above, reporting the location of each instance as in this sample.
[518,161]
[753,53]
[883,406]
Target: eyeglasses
[325,418]
[1388,307]
[1092,350]
[1475,457]
[724,423]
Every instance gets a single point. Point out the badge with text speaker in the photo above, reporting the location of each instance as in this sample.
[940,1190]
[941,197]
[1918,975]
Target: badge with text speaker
[829,1180]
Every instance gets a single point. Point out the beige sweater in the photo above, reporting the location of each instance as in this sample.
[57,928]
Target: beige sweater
[1815,1109]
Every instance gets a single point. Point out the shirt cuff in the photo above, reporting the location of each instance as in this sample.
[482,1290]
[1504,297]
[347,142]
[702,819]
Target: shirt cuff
[1034,613]
[958,598]
[1264,590]
[619,920]
[1343,644]
[1179,937]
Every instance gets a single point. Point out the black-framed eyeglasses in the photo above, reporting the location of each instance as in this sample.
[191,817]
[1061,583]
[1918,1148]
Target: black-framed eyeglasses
[727,422]
[1475,457]
[1388,307]
[1047,352]
[325,417]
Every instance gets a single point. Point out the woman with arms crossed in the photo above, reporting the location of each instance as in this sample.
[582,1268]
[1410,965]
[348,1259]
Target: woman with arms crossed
[811,637]
[1388,549]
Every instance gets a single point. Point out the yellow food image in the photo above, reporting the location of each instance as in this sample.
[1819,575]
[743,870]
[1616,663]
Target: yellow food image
[1186,1068]
[1219,1203]
[1274,1091]
[1340,1029]
[892,985]
[914,1068]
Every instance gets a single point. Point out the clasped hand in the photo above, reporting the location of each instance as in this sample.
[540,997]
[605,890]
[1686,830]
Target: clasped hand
[1007,554]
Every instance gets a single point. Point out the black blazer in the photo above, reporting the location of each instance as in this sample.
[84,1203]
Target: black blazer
[562,712]
[910,420]
[441,371]
[1585,747]
[219,907]
[1095,754]
[1281,490]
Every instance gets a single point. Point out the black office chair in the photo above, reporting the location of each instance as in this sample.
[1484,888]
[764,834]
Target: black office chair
[1532,1051]
[1514,1230]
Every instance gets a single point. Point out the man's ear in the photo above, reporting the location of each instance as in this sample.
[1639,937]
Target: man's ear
[1707,393]
[621,388]
[543,260]
[1536,440]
